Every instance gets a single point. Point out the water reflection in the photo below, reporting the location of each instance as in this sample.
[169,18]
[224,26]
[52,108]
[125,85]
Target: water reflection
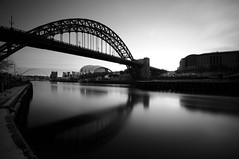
[87,131]
[114,122]
[92,92]
[54,87]
[210,104]
[135,97]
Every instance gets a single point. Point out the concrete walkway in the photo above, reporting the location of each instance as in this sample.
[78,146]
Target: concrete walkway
[7,97]
[12,144]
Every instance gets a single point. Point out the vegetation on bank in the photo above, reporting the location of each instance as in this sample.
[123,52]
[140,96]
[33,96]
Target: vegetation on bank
[8,80]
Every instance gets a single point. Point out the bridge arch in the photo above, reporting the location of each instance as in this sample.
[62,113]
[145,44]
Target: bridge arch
[85,26]
[34,69]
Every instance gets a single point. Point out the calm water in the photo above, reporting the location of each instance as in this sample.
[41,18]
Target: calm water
[70,120]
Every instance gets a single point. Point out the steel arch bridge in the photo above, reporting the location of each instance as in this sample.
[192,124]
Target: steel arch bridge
[84,26]
[97,41]
[34,69]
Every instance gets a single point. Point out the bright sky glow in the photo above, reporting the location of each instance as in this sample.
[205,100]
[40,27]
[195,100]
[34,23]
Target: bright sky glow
[163,30]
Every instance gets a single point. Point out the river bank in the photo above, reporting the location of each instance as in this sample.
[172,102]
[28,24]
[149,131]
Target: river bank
[14,105]
[196,86]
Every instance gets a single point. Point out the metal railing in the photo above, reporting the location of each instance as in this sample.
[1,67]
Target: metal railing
[5,85]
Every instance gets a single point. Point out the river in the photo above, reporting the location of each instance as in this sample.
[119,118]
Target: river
[73,120]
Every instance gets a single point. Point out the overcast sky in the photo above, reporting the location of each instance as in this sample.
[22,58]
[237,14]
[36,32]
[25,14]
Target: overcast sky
[163,30]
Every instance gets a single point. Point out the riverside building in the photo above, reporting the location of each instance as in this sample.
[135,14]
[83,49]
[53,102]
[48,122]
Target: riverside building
[216,62]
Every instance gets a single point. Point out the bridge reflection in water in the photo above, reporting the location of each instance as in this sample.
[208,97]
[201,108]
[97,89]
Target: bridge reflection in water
[71,120]
[213,104]
[85,132]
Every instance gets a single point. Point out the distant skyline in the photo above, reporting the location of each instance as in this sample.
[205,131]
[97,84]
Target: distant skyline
[163,30]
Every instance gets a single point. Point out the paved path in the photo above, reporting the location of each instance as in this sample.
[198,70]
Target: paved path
[7,96]
[10,147]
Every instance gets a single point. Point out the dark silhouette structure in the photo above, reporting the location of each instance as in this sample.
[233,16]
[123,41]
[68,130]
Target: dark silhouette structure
[218,62]
[92,39]
[88,131]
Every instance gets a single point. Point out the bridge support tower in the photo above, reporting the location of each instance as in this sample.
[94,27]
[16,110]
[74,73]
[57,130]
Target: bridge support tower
[144,70]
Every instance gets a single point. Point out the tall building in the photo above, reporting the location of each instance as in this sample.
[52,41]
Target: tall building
[64,74]
[68,74]
[75,74]
[223,62]
[53,75]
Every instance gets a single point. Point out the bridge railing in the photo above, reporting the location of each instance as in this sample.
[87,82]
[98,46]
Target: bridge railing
[5,85]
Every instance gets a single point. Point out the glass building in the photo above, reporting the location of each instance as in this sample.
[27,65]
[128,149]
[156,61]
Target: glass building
[94,69]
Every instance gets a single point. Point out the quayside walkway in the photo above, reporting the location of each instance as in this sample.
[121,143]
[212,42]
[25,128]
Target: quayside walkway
[12,144]
[202,86]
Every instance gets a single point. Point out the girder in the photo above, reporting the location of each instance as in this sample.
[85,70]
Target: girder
[8,49]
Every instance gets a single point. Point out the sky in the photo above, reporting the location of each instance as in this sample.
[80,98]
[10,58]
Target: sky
[163,30]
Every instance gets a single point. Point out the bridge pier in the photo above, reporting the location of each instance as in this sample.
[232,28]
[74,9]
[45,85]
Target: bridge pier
[144,70]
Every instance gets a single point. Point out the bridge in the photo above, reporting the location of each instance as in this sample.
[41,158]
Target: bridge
[34,69]
[92,39]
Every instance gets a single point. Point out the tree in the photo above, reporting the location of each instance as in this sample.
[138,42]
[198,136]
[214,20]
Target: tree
[5,65]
